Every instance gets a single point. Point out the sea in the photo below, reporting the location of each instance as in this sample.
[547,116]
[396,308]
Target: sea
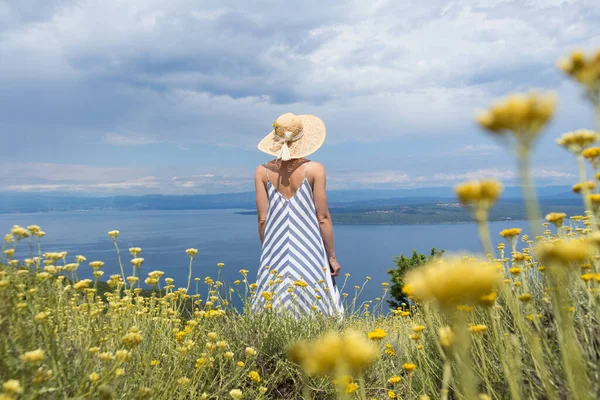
[224,236]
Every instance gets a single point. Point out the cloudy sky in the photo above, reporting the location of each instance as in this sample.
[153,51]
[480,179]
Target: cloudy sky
[149,96]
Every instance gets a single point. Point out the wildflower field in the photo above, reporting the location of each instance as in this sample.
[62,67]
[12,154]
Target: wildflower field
[519,322]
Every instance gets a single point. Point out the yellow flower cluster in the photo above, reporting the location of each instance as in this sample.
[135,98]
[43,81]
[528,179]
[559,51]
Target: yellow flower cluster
[510,233]
[454,280]
[192,252]
[592,154]
[477,328]
[565,251]
[589,185]
[522,114]
[350,352]
[577,141]
[377,334]
[586,70]
[480,196]
[556,218]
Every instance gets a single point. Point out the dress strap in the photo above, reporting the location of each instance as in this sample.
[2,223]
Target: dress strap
[267,171]
[306,169]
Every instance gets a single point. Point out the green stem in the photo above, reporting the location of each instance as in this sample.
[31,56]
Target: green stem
[570,350]
[119,258]
[190,276]
[531,202]
[484,236]
[585,190]
[446,379]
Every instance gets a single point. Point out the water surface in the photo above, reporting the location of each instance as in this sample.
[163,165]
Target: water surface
[223,236]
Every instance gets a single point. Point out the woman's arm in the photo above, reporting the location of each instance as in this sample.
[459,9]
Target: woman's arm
[262,202]
[320,196]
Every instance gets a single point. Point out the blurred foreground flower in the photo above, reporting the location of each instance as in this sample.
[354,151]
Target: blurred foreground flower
[565,251]
[334,354]
[479,196]
[585,70]
[452,281]
[523,115]
[577,141]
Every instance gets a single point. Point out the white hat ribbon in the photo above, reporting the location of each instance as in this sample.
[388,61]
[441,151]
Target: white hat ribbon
[281,144]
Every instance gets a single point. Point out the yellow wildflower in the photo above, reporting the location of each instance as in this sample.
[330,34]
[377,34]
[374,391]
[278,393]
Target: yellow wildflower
[481,194]
[510,233]
[391,394]
[394,379]
[377,334]
[565,251]
[524,115]
[452,281]
[418,328]
[409,367]
[133,338]
[300,283]
[12,386]
[334,352]
[585,70]
[33,357]
[183,381]
[9,252]
[525,297]
[488,299]
[577,141]
[254,376]
[477,328]
[137,262]
[515,270]
[578,187]
[351,387]
[96,264]
[446,337]
[94,377]
[113,234]
[556,218]
[192,252]
[236,394]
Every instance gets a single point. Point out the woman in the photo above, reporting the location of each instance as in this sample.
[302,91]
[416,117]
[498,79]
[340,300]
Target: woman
[298,264]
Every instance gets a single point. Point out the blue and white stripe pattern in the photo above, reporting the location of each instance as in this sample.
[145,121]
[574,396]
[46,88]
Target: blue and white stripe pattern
[293,255]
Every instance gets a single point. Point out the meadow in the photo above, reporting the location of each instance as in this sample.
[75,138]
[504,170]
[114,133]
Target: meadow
[520,322]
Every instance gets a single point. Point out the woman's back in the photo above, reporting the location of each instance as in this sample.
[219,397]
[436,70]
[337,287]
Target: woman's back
[288,177]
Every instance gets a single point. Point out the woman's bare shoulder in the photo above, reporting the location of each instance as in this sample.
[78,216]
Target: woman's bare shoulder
[260,170]
[316,167]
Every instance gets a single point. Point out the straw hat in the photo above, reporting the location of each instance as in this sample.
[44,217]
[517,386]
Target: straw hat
[294,136]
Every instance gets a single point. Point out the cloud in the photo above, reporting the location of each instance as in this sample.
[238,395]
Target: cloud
[187,72]
[56,172]
[145,183]
[128,140]
[400,179]
[82,79]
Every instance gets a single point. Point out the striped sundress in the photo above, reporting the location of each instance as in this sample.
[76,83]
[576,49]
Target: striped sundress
[294,272]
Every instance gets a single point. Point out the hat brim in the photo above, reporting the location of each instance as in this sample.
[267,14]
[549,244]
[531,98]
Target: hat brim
[313,137]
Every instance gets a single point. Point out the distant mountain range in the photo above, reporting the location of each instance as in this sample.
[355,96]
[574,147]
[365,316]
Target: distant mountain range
[339,200]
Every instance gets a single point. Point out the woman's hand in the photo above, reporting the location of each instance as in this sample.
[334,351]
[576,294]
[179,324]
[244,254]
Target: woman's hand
[334,266]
